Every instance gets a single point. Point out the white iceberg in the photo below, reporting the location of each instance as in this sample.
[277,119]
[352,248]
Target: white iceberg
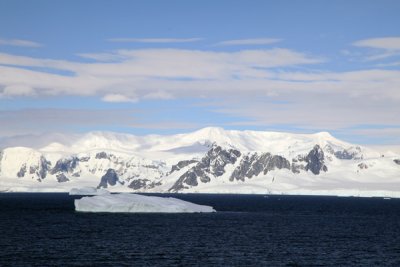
[88,191]
[126,202]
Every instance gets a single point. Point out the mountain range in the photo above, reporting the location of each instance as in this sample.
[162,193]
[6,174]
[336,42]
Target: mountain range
[210,160]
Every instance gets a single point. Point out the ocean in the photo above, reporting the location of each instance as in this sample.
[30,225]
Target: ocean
[43,229]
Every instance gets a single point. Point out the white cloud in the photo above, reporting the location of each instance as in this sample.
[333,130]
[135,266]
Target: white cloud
[173,73]
[256,41]
[118,98]
[166,73]
[387,43]
[104,57]
[155,40]
[17,90]
[385,47]
[158,95]
[19,42]
[258,85]
[42,120]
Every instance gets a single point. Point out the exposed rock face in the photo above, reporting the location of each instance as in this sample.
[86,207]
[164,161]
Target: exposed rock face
[182,164]
[110,178]
[190,178]
[349,154]
[211,165]
[296,165]
[61,178]
[143,184]
[253,165]
[249,166]
[397,161]
[44,167]
[315,160]
[346,154]
[216,160]
[102,155]
[343,155]
[362,166]
[277,162]
[22,171]
[84,159]
[138,184]
[40,170]
[65,165]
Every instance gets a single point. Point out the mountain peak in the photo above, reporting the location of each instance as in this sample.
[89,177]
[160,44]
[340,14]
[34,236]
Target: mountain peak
[325,135]
[211,131]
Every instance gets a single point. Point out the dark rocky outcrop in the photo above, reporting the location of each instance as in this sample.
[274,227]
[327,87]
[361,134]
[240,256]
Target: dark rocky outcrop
[43,168]
[253,165]
[348,154]
[182,164]
[189,178]
[315,160]
[22,171]
[102,155]
[217,158]
[143,184]
[84,159]
[110,178]
[249,166]
[61,178]
[139,184]
[151,166]
[397,161]
[362,166]
[278,162]
[32,169]
[345,154]
[65,165]
[296,168]
[211,165]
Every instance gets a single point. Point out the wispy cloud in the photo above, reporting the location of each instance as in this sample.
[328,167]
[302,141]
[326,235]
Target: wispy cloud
[147,73]
[261,86]
[387,43]
[17,90]
[256,41]
[154,40]
[19,42]
[118,98]
[38,121]
[105,57]
[384,47]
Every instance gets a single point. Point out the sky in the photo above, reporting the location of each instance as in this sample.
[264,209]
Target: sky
[164,67]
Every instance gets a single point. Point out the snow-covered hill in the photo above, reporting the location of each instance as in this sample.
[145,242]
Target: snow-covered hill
[211,160]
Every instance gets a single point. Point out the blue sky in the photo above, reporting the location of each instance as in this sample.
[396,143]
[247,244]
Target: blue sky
[175,66]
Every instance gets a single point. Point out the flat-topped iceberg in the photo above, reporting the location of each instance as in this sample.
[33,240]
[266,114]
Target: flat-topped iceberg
[88,191]
[126,202]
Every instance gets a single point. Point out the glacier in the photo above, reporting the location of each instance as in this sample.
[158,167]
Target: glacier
[135,203]
[210,160]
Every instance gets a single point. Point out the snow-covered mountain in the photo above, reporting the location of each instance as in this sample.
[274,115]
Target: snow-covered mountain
[211,160]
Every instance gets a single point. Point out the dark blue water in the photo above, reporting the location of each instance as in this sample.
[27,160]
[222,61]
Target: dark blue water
[44,230]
